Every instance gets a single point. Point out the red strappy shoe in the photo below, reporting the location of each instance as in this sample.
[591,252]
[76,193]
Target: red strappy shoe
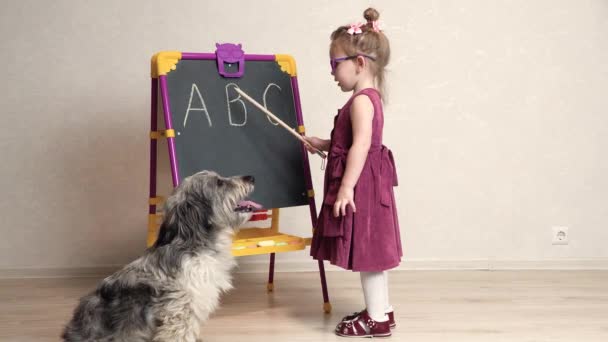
[363,326]
[391,317]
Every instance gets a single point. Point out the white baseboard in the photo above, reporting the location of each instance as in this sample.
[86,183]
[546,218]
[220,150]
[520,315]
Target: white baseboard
[58,272]
[439,265]
[261,266]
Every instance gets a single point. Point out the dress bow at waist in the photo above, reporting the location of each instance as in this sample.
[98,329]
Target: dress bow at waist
[382,165]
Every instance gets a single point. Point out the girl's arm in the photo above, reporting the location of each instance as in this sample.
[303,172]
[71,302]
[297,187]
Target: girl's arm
[325,145]
[361,117]
[321,144]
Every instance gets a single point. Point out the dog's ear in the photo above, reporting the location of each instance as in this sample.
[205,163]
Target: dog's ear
[168,230]
[186,220]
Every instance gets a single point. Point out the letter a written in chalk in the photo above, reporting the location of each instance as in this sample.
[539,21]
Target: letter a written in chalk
[203,108]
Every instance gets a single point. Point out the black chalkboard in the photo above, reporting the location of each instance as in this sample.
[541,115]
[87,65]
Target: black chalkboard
[216,129]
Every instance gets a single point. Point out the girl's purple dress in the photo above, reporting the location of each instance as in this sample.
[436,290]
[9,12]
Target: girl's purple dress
[369,239]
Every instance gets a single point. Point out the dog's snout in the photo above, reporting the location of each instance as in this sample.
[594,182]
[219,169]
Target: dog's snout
[249,179]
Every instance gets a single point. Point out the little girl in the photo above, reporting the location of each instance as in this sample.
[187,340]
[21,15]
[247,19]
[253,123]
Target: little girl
[357,227]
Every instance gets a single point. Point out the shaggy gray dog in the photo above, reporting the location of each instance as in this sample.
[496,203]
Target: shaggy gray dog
[168,292]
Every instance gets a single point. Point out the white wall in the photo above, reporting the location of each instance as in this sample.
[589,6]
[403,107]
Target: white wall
[497,117]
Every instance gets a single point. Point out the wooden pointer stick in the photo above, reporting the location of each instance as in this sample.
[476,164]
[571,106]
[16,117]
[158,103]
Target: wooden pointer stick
[269,113]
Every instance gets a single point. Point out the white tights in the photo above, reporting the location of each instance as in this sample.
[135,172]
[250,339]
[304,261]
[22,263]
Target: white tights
[375,291]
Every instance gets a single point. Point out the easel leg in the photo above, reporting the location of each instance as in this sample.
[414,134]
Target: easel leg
[326,303]
[270,286]
[152,226]
[311,196]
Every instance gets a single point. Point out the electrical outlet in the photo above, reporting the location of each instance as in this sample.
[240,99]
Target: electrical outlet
[560,235]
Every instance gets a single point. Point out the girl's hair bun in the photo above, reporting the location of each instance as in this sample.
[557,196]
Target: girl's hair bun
[371,14]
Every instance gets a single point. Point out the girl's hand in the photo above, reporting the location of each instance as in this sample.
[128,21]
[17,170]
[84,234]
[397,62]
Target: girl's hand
[345,197]
[314,143]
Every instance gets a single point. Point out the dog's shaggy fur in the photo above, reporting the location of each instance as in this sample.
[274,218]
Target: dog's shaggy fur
[168,292]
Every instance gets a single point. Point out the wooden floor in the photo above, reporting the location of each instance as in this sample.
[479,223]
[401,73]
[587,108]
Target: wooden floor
[446,306]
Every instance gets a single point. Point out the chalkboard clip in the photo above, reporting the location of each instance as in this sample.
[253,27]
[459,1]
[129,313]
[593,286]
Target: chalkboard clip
[230,54]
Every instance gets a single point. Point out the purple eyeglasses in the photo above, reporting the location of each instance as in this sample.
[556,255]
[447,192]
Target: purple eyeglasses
[333,62]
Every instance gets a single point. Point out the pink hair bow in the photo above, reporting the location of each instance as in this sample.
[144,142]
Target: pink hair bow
[377,27]
[355,28]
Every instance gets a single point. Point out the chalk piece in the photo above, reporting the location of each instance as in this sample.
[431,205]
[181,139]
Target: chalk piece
[252,246]
[237,248]
[282,244]
[294,242]
[266,243]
